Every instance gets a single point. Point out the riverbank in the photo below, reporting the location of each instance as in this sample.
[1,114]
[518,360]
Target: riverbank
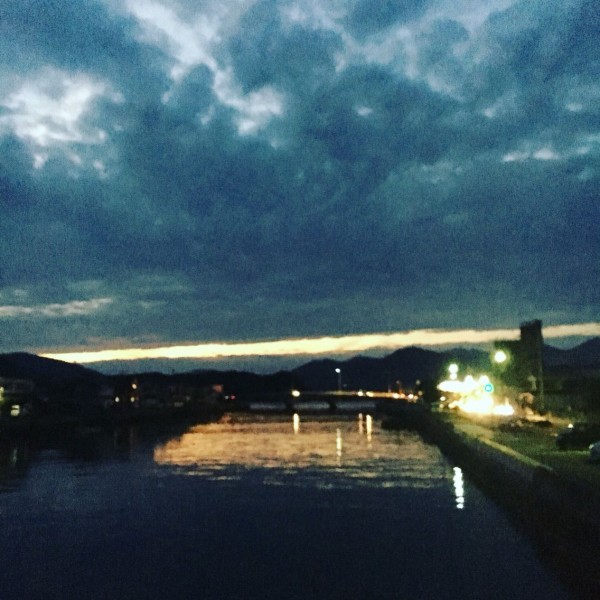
[72,423]
[553,494]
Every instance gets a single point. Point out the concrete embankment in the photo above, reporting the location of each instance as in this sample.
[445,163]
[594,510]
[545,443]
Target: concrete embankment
[70,424]
[560,513]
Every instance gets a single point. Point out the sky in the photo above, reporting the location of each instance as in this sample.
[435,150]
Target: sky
[188,173]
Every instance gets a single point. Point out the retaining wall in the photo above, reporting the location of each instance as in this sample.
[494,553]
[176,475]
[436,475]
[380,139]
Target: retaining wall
[562,514]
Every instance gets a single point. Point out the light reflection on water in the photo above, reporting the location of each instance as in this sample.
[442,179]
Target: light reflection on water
[303,451]
[459,488]
[254,507]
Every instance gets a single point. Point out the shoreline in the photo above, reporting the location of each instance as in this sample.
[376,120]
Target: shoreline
[559,513]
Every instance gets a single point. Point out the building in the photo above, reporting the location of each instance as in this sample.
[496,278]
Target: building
[16,396]
[522,368]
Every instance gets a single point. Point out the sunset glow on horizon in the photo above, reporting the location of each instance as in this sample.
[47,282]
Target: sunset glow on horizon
[321,345]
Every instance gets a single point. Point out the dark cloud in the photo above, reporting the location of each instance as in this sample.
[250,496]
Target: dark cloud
[266,51]
[85,36]
[535,52]
[283,171]
[371,16]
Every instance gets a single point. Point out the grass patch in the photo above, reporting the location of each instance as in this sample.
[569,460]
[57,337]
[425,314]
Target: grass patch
[540,445]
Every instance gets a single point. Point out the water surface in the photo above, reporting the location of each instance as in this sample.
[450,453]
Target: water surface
[255,507]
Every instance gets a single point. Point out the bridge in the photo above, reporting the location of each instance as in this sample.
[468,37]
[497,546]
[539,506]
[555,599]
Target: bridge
[335,401]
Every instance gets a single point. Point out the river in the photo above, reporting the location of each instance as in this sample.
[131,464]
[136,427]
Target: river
[255,507]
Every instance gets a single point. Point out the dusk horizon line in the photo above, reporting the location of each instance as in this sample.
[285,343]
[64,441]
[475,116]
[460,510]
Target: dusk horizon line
[318,345]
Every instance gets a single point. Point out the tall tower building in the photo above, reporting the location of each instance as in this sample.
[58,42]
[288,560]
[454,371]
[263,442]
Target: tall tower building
[524,370]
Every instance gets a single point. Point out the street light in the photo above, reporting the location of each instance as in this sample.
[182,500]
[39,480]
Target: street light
[339,378]
[453,370]
[500,356]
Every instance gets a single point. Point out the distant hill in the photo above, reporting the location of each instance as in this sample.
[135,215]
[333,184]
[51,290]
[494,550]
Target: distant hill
[406,366]
[554,357]
[44,371]
[234,382]
[586,354]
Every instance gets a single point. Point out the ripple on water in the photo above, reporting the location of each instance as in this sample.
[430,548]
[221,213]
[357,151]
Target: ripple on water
[340,452]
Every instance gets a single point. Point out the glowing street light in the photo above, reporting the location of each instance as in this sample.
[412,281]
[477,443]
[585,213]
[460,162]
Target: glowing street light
[453,370]
[339,378]
[500,356]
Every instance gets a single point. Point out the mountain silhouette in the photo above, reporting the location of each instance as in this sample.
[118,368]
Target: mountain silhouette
[402,368]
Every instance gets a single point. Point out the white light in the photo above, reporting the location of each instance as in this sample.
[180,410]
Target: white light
[472,405]
[503,410]
[296,422]
[500,356]
[459,488]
